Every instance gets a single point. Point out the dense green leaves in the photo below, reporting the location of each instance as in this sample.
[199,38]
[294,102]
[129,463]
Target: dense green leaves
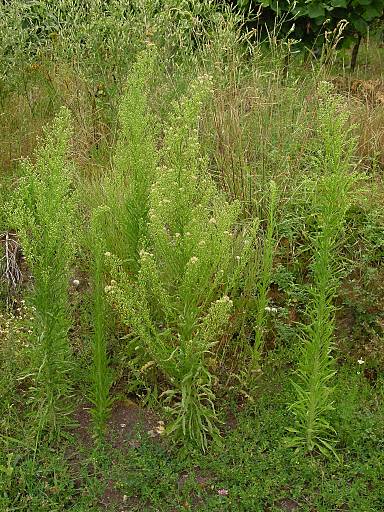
[314,19]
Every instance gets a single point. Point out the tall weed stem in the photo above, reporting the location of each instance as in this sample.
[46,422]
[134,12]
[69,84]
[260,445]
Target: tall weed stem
[101,377]
[44,216]
[332,196]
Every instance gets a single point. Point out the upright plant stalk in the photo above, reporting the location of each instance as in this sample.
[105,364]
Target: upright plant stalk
[101,378]
[134,168]
[265,280]
[44,217]
[331,200]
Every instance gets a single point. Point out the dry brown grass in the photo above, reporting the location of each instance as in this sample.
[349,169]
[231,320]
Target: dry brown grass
[366,103]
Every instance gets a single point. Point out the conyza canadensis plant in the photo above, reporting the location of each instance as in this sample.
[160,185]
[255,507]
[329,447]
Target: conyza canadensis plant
[44,216]
[179,304]
[331,199]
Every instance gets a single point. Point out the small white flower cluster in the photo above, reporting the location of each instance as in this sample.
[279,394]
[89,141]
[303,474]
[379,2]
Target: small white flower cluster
[270,309]
[109,288]
[226,299]
[144,254]
[159,430]
[360,362]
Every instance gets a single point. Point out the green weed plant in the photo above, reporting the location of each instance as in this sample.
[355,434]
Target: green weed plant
[135,161]
[179,305]
[100,371]
[43,214]
[264,280]
[331,200]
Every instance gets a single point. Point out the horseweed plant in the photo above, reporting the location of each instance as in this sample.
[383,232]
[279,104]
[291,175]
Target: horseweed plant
[135,162]
[332,198]
[179,305]
[43,214]
[101,377]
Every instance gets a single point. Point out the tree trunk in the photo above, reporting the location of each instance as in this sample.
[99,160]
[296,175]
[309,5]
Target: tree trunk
[355,51]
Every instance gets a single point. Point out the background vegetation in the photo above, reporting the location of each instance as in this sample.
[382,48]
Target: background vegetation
[191,256]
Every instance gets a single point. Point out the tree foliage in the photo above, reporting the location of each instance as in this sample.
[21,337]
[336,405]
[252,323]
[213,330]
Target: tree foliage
[310,20]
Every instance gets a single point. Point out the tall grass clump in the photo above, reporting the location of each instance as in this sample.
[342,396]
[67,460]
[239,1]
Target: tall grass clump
[135,162]
[179,305]
[331,200]
[101,375]
[44,215]
[257,130]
